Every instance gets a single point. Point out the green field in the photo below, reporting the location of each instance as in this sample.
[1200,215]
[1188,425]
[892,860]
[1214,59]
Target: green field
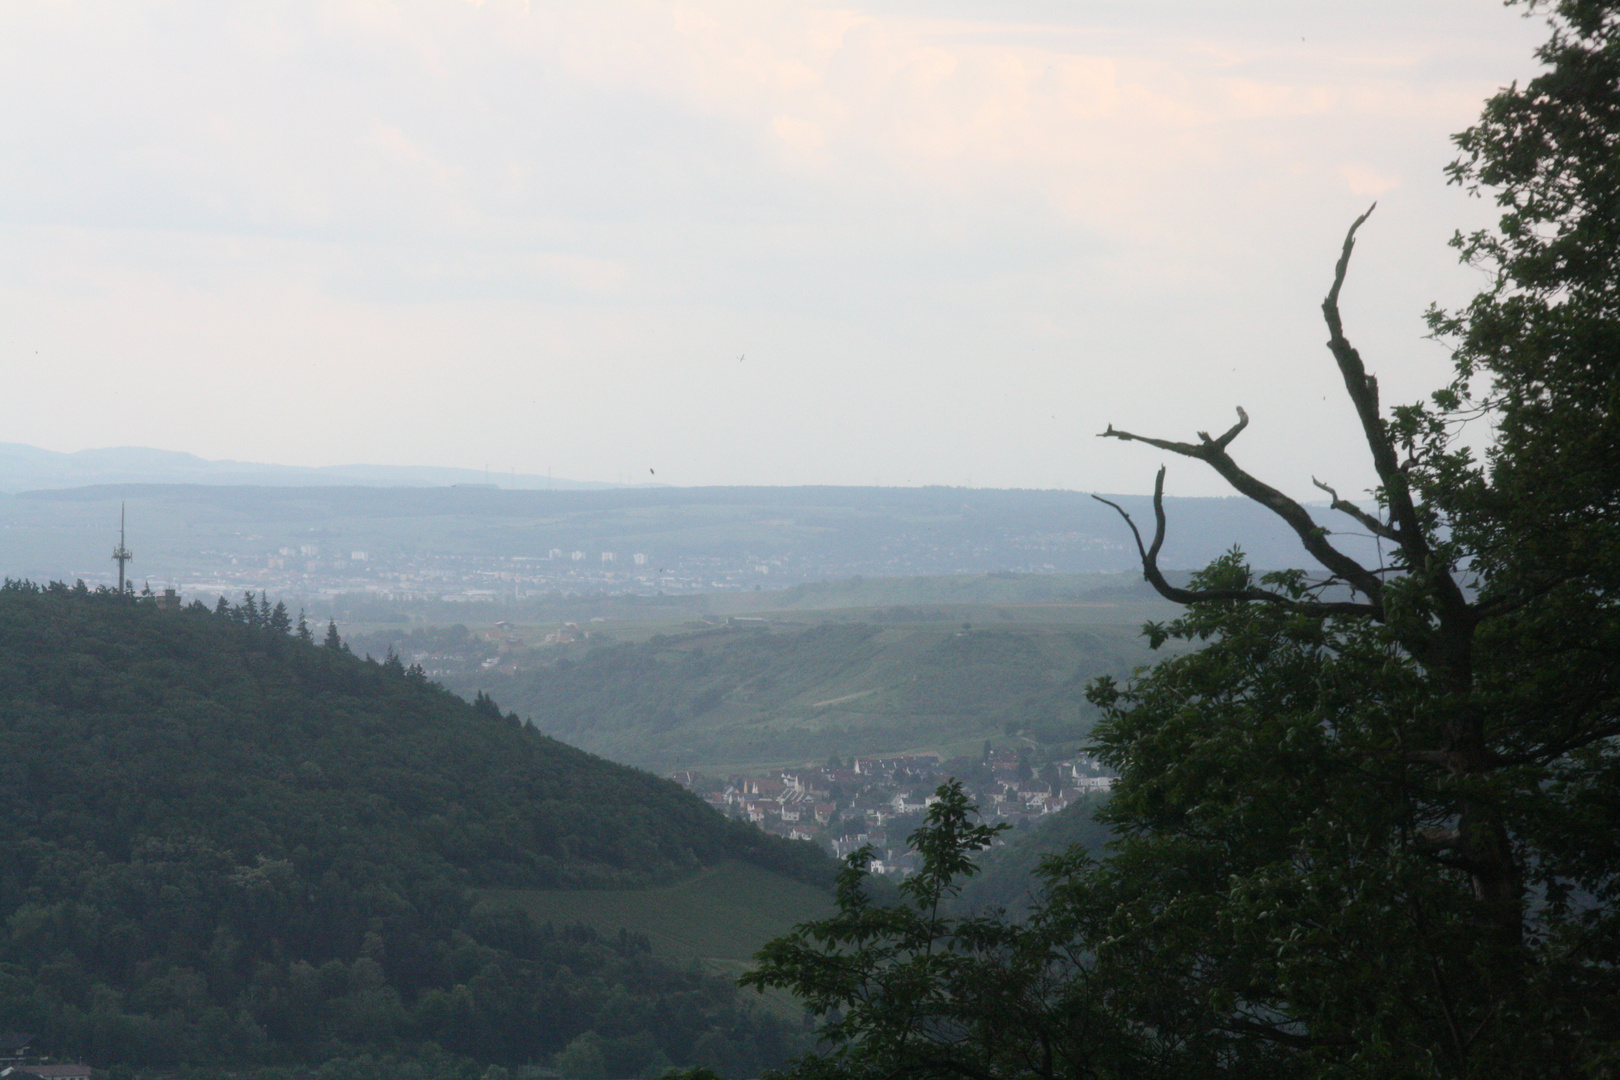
[719,917]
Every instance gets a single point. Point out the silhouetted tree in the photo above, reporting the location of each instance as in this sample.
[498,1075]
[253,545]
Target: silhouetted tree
[1366,824]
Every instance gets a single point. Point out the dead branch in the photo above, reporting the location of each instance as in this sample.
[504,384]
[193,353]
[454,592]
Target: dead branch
[1155,577]
[1363,388]
[1373,525]
[1311,536]
[1363,391]
[1276,1033]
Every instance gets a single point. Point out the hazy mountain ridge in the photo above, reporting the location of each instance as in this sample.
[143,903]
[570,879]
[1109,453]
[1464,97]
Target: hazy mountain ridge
[30,468]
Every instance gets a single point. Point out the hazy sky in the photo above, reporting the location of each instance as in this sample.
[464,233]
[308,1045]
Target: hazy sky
[755,242]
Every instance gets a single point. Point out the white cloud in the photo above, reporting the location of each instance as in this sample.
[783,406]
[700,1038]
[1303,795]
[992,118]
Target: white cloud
[927,227]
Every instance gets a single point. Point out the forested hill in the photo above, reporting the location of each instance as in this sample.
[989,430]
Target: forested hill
[225,841]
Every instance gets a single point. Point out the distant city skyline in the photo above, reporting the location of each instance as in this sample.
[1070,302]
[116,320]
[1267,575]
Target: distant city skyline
[710,243]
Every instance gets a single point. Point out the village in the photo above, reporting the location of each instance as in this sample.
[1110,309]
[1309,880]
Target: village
[846,805]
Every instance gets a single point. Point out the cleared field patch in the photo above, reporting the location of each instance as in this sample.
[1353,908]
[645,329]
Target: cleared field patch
[719,916]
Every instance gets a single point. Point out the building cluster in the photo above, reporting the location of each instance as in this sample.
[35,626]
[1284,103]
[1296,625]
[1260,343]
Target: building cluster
[313,572]
[324,567]
[879,801]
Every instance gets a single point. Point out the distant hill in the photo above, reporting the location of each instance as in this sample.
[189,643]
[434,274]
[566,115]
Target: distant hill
[29,468]
[745,695]
[224,844]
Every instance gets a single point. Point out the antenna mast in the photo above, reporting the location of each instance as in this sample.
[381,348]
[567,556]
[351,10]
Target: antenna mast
[121,554]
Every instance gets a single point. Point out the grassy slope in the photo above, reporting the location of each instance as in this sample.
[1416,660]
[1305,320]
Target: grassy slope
[732,698]
[721,915]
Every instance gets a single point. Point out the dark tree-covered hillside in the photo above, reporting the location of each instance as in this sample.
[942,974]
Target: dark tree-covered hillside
[228,844]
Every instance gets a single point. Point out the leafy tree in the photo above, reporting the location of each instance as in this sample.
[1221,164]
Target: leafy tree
[582,1059]
[919,989]
[1388,792]
[1369,826]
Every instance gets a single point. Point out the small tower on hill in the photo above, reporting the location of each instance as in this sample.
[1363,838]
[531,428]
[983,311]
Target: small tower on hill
[121,554]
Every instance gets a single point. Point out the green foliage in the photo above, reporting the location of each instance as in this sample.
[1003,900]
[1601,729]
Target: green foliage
[1395,833]
[908,989]
[1282,863]
[1007,876]
[225,844]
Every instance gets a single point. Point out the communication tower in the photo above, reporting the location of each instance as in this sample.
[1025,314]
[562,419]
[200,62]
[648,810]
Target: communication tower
[121,554]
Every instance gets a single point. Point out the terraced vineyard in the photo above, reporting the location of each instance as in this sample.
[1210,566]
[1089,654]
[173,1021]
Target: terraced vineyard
[749,695]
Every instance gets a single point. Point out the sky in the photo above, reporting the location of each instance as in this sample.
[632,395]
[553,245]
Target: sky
[895,243]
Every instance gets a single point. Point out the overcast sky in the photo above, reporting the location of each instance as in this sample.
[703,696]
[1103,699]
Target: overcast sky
[736,243]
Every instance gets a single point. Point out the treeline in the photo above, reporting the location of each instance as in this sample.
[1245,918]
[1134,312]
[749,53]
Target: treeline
[228,843]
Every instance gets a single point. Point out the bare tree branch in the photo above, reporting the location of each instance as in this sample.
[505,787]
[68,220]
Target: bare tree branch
[1373,525]
[1276,1033]
[1311,535]
[1226,440]
[1363,391]
[1156,578]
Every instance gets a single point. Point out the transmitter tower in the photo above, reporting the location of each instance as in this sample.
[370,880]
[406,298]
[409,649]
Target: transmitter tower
[121,554]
